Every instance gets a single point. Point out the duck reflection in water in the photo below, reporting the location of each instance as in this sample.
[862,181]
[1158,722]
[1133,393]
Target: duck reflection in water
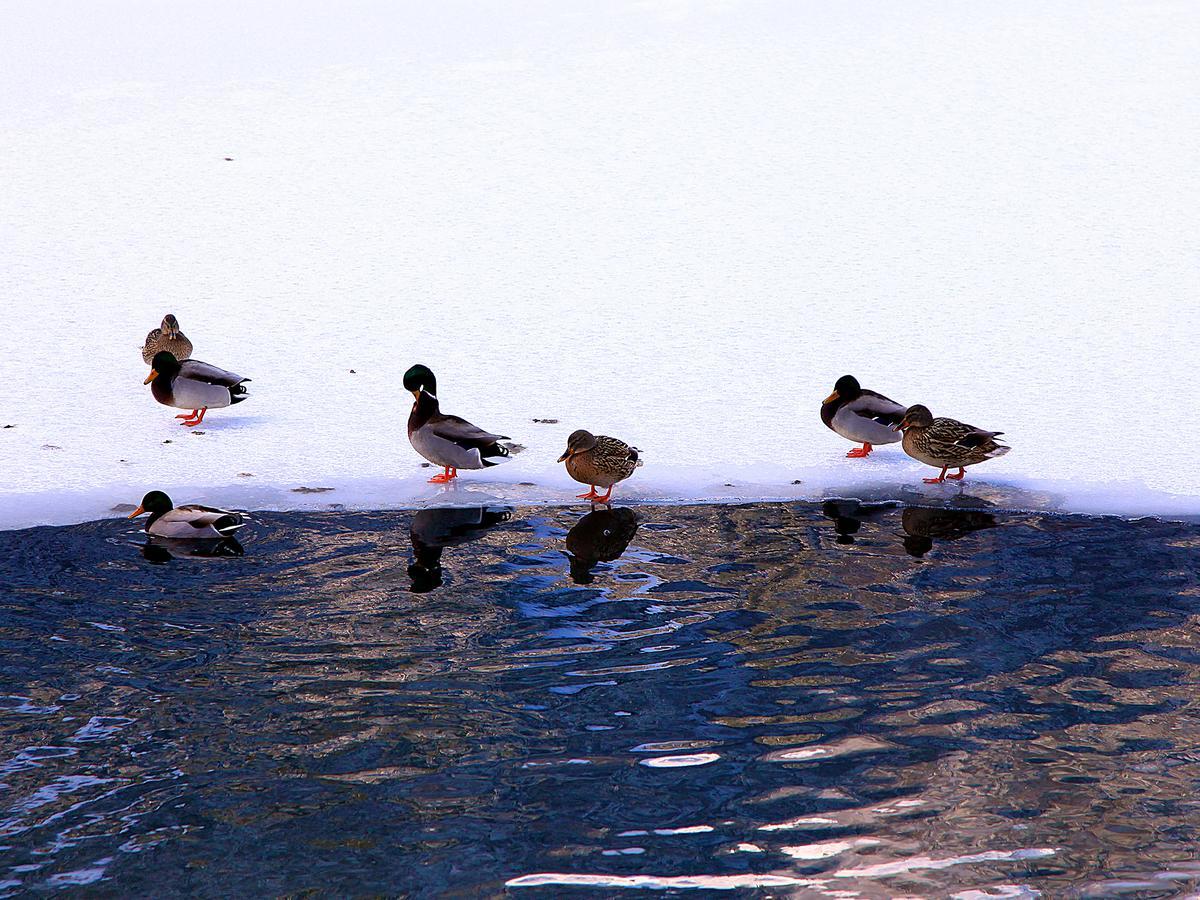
[923,526]
[433,530]
[849,515]
[600,536]
[161,550]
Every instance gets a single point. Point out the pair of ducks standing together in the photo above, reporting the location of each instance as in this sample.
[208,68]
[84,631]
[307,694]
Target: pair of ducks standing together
[860,415]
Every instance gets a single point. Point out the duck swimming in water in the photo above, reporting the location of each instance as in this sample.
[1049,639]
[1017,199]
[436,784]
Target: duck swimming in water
[190,522]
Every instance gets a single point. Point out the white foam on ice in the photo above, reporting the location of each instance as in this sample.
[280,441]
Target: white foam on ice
[675,223]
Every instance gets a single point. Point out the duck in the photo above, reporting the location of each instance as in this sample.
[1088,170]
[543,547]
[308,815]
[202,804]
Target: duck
[193,385]
[862,416]
[946,443]
[447,441]
[188,522]
[598,460]
[167,337]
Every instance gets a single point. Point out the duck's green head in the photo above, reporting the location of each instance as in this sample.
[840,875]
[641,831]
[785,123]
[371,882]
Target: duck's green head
[845,389]
[915,417]
[418,379]
[164,363]
[579,442]
[170,326]
[156,503]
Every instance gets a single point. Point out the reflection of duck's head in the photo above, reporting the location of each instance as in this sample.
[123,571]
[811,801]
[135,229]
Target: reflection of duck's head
[432,530]
[922,526]
[600,536]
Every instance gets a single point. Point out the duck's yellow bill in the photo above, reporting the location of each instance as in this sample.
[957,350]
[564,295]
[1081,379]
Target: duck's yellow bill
[149,378]
[137,512]
[831,397]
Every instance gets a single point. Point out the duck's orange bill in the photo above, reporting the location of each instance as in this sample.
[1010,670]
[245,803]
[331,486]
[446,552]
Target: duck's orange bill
[149,378]
[566,455]
[137,512]
[830,398]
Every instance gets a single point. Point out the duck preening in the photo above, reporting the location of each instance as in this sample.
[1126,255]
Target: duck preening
[447,441]
[193,385]
[945,443]
[188,522]
[861,416]
[169,337]
[598,461]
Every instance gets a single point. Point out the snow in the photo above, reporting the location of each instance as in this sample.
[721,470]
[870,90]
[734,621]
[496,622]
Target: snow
[676,223]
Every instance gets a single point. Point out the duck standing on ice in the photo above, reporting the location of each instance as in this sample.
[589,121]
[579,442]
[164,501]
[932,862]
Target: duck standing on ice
[862,416]
[169,337]
[447,441]
[598,461]
[193,385]
[946,443]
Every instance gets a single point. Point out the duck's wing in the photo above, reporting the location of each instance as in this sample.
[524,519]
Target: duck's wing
[877,408]
[195,370]
[461,432]
[201,517]
[951,438]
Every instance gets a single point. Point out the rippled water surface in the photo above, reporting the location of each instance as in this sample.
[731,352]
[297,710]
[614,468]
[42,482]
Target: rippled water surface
[784,700]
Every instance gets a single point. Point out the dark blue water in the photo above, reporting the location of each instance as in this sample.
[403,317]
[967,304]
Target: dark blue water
[789,700]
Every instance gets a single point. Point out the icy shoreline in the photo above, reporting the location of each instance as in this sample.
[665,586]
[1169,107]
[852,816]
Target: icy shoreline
[477,489]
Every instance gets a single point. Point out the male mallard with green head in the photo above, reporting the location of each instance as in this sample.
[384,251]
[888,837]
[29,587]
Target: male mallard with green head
[167,337]
[598,460]
[190,522]
[945,443]
[861,416]
[447,441]
[193,385]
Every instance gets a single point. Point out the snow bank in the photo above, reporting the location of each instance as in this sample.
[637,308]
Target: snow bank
[673,223]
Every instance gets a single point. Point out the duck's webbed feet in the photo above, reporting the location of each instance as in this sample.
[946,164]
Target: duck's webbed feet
[446,477]
[962,473]
[192,419]
[590,495]
[860,452]
[941,477]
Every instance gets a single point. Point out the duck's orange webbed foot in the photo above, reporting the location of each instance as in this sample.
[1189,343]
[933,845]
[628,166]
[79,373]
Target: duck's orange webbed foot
[603,498]
[939,479]
[962,473]
[193,414]
[194,420]
[860,452]
[446,477]
[590,495]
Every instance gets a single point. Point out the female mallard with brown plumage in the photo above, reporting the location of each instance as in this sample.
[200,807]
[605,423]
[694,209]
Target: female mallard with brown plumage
[598,461]
[167,337]
[862,416]
[945,443]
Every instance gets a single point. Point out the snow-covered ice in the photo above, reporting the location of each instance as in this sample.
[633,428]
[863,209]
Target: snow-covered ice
[677,223]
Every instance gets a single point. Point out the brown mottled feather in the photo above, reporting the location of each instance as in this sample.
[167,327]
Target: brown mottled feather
[180,347]
[605,464]
[948,442]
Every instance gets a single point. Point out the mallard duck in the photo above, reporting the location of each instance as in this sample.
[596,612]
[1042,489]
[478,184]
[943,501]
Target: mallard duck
[598,460]
[862,416]
[946,443]
[193,385]
[446,441]
[167,337]
[189,522]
